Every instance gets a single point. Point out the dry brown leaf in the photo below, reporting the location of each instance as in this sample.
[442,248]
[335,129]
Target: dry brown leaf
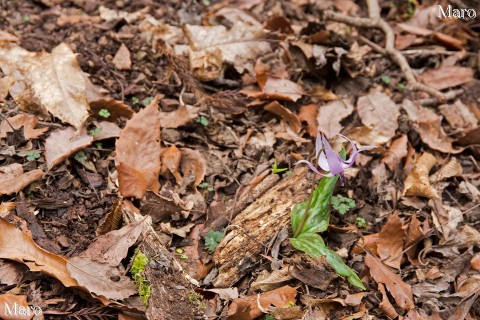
[452,169]
[101,279]
[366,136]
[170,159]
[193,164]
[44,81]
[15,307]
[17,246]
[416,231]
[401,291]
[180,117]
[62,143]
[446,77]
[106,130]
[280,298]
[27,121]
[354,299]
[427,124]
[390,242]
[417,182]
[11,272]
[234,14]
[459,116]
[194,264]
[288,116]
[309,115]
[112,247]
[182,232]
[211,47]
[115,108]
[370,108]
[138,153]
[386,305]
[13,179]
[475,262]
[114,15]
[275,88]
[396,152]
[330,115]
[121,60]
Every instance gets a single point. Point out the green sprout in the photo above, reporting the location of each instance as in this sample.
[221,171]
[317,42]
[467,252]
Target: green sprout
[99,145]
[147,101]
[33,155]
[135,100]
[361,223]
[80,156]
[95,131]
[401,86]
[179,251]
[386,79]
[342,204]
[197,300]
[137,272]
[212,239]
[104,113]
[206,185]
[202,120]
[276,170]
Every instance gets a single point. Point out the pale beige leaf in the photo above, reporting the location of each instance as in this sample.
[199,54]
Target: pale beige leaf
[101,279]
[288,116]
[446,77]
[13,179]
[121,60]
[193,164]
[396,152]
[63,143]
[116,108]
[11,272]
[171,161]
[417,182]
[330,115]
[25,120]
[106,130]
[180,117]
[378,112]
[390,242]
[138,148]
[459,116]
[452,169]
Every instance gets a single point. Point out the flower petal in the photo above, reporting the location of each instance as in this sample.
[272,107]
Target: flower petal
[322,162]
[310,165]
[318,144]
[333,159]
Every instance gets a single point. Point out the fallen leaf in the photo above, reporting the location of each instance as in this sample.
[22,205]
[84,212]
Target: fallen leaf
[193,164]
[446,77]
[13,179]
[475,262]
[371,106]
[280,298]
[182,232]
[288,116]
[107,130]
[452,169]
[116,108]
[170,160]
[212,46]
[239,310]
[180,117]
[15,307]
[396,152]
[427,124]
[27,121]
[309,115]
[101,279]
[401,291]
[121,60]
[194,264]
[416,231]
[138,153]
[112,247]
[234,14]
[44,81]
[330,115]
[226,294]
[63,143]
[459,116]
[113,15]
[386,305]
[417,182]
[446,218]
[390,242]
[354,299]
[276,88]
[366,136]
[11,272]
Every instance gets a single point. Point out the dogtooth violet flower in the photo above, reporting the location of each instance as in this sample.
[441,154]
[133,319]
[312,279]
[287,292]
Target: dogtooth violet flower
[329,160]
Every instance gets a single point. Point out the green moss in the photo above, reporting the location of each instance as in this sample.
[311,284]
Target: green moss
[137,271]
[197,300]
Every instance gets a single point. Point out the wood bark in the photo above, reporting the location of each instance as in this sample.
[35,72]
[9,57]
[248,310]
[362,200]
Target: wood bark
[250,233]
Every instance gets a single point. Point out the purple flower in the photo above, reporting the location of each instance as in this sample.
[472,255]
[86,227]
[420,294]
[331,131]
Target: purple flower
[329,160]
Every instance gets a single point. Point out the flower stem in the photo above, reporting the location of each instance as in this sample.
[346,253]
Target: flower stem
[304,217]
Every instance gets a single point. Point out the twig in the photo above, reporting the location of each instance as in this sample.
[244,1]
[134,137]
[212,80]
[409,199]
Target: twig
[375,21]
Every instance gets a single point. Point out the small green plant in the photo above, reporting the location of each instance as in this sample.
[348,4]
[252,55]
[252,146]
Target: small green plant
[197,300]
[269,317]
[411,8]
[386,79]
[80,156]
[135,100]
[205,185]
[137,272]
[26,18]
[147,101]
[99,145]
[95,131]
[401,86]
[33,155]
[104,113]
[275,169]
[342,204]
[212,239]
[361,223]
[203,121]
[179,251]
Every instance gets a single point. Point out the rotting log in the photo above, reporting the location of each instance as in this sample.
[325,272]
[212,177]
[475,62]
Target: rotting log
[170,285]
[253,228]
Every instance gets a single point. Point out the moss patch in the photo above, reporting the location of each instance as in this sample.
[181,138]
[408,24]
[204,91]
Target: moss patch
[137,271]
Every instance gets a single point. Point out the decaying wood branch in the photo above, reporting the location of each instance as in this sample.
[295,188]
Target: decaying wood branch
[254,227]
[375,21]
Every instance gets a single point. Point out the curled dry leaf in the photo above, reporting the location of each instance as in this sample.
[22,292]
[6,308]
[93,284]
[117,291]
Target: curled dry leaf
[193,164]
[15,307]
[309,115]
[390,242]
[13,179]
[212,46]
[138,153]
[62,143]
[417,182]
[116,108]
[386,305]
[446,77]
[101,279]
[371,106]
[170,159]
[11,272]
[106,130]
[452,169]
[396,152]
[288,116]
[182,232]
[416,231]
[194,264]
[459,116]
[121,60]
[276,88]
[44,81]
[427,124]
[180,117]
[401,291]
[27,121]
[330,115]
